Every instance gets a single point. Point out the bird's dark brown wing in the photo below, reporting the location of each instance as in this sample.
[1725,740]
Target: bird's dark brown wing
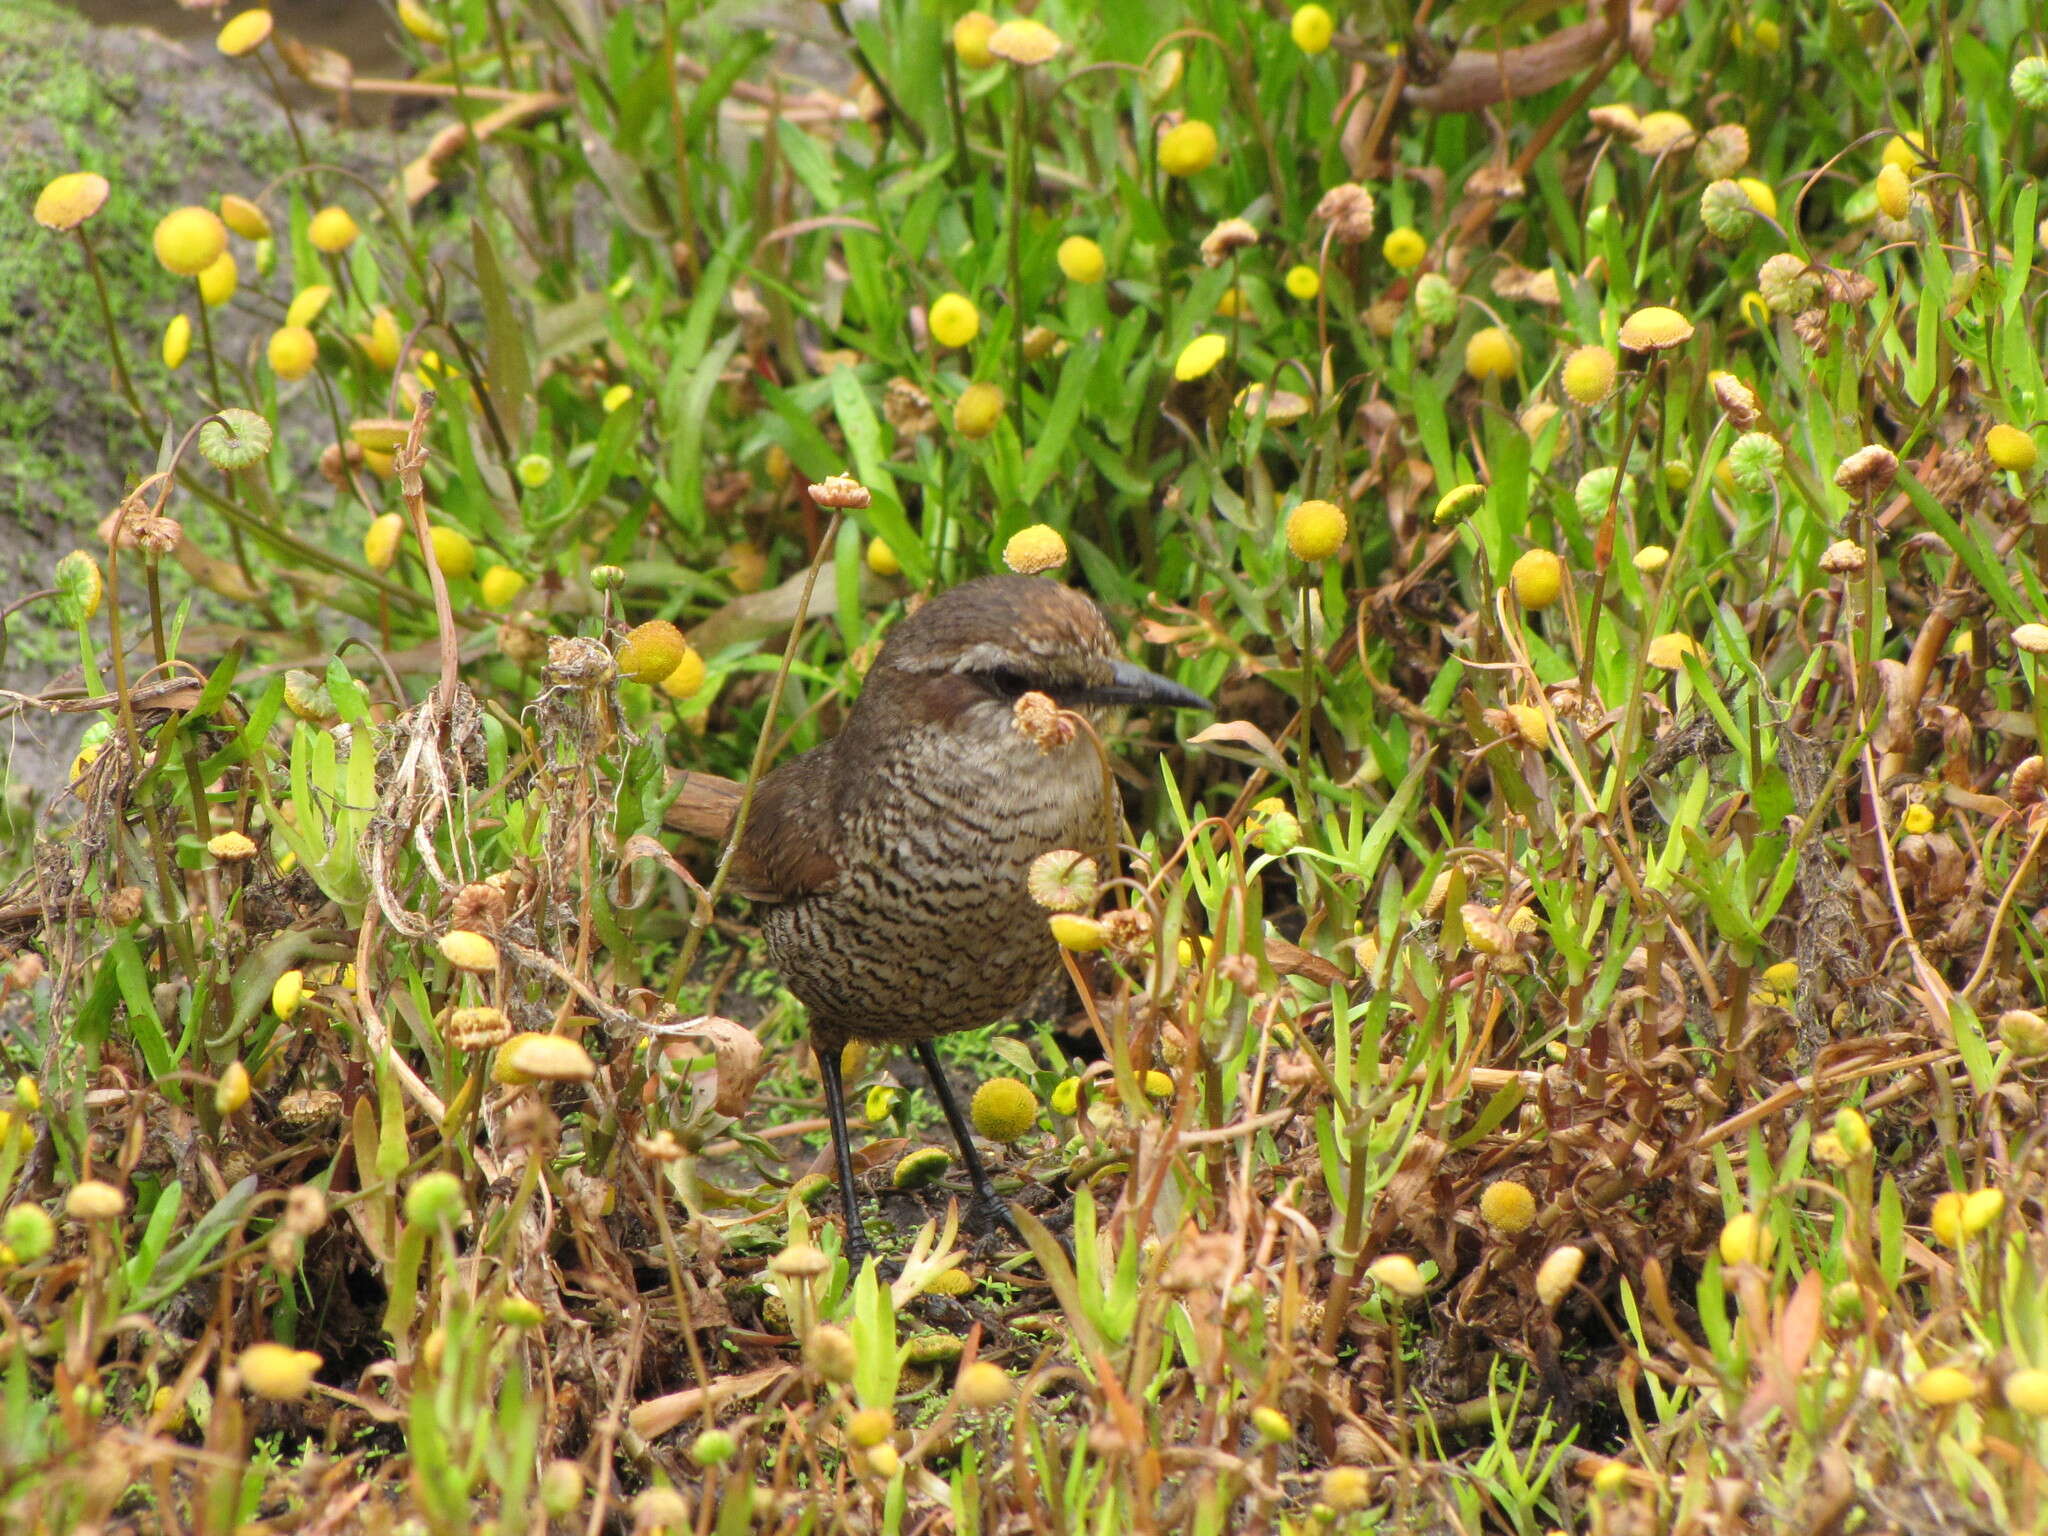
[789,848]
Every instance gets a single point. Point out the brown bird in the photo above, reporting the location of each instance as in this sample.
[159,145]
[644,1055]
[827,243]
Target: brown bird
[890,862]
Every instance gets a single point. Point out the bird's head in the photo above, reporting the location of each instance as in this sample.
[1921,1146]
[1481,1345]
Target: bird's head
[985,643]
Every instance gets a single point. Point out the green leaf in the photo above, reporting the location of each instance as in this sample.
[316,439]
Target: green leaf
[508,371]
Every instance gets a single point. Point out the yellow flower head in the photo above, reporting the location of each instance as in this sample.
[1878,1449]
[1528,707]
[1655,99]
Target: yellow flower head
[177,343]
[1316,530]
[307,303]
[1311,27]
[1188,148]
[954,320]
[1303,282]
[1032,550]
[651,651]
[2011,449]
[1081,260]
[1654,328]
[453,552]
[189,240]
[1538,579]
[1492,354]
[978,409]
[292,352]
[971,34]
[1200,357]
[1004,1109]
[1404,249]
[1589,374]
[332,230]
[688,676]
[1024,42]
[243,33]
[217,282]
[69,200]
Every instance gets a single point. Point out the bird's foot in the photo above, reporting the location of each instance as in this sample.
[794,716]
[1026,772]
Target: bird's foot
[991,1219]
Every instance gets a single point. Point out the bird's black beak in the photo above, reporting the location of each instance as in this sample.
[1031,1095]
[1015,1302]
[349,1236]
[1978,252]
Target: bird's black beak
[1131,684]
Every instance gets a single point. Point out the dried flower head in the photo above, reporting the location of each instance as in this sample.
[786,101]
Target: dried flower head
[1039,719]
[1348,209]
[1230,236]
[1736,399]
[1869,471]
[1844,557]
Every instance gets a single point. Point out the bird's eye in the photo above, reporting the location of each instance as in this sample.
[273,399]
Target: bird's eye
[1008,682]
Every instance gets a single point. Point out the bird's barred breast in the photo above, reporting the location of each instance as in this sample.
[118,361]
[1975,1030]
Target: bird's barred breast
[929,927]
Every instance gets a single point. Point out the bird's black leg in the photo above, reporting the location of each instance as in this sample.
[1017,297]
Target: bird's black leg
[991,1205]
[858,1248]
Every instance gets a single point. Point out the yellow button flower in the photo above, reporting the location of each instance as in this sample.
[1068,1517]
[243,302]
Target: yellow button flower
[1316,530]
[1404,248]
[243,33]
[1491,354]
[332,230]
[292,352]
[189,240]
[1188,149]
[217,282]
[69,200]
[1303,282]
[971,34]
[1032,550]
[177,343]
[1081,260]
[1200,357]
[954,320]
[1311,27]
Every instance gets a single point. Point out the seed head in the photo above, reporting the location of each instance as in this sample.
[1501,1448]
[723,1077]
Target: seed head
[1227,238]
[539,1058]
[1062,880]
[1722,150]
[1844,557]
